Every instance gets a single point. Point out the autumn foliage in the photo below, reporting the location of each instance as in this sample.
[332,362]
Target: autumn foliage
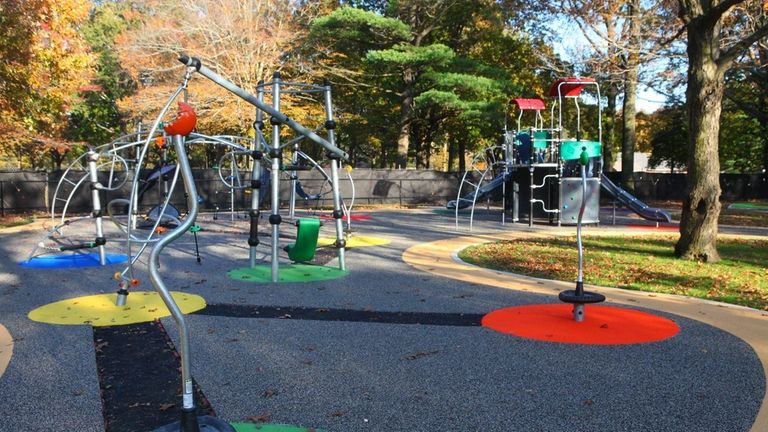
[45,63]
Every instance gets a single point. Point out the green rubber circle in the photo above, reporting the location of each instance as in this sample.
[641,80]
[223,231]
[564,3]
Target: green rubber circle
[289,273]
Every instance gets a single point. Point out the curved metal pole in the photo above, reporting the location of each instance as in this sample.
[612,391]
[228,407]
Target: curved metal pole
[578,308]
[580,276]
[157,281]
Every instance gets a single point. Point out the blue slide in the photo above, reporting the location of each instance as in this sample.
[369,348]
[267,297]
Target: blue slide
[467,199]
[634,204]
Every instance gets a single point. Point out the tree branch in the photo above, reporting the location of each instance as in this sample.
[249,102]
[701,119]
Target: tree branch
[729,56]
[721,8]
[664,42]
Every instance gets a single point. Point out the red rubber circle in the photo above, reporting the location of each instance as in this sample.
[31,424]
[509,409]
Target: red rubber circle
[603,325]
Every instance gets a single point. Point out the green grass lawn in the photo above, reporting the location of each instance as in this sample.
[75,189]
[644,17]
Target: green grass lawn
[638,263]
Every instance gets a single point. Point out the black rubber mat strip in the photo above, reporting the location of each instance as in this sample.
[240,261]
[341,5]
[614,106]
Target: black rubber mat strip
[139,377]
[350,315]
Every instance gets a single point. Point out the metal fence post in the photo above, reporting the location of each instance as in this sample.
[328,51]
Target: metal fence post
[2,198]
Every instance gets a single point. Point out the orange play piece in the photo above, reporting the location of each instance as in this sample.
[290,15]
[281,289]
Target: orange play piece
[603,325]
[183,123]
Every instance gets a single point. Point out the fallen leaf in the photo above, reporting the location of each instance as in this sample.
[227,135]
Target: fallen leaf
[100,347]
[419,355]
[262,418]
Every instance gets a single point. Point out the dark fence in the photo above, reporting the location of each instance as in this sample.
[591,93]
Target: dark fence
[34,191]
[663,186]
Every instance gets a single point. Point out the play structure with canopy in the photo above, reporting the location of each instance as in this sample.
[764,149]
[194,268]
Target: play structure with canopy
[535,169]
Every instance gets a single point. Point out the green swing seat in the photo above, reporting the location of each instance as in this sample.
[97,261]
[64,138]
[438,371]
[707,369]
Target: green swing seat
[307,231]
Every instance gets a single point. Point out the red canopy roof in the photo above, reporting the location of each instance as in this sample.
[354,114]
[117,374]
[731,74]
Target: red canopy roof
[529,104]
[569,87]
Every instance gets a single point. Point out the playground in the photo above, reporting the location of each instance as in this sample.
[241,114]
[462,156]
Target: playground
[305,319]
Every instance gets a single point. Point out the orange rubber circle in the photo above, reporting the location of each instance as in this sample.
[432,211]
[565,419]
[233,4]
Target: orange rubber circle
[603,325]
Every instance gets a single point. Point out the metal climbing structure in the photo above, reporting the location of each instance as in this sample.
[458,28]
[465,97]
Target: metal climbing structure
[268,155]
[546,170]
[535,170]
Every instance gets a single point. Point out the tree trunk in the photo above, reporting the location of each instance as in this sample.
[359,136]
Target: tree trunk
[629,114]
[418,143]
[462,155]
[406,108]
[763,107]
[704,96]
[629,133]
[610,127]
[383,156]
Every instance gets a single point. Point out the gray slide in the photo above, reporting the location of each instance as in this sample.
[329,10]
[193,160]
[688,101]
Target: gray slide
[467,199]
[634,204]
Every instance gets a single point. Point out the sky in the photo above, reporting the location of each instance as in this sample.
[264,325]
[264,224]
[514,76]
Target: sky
[648,100]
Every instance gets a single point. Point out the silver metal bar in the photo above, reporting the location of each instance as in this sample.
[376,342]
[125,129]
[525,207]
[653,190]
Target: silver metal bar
[157,281]
[96,200]
[275,179]
[335,180]
[256,171]
[294,179]
[133,205]
[580,276]
[232,174]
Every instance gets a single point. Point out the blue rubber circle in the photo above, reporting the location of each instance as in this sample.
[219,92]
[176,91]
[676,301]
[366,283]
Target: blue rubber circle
[72,261]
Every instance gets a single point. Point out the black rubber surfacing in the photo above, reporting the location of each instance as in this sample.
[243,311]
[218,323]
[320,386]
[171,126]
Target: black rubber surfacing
[139,366]
[139,377]
[349,315]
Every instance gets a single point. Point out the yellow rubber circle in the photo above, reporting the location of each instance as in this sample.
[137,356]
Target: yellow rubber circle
[355,241]
[100,310]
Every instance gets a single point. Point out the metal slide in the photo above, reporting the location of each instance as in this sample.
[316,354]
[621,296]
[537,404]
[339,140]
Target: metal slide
[469,198]
[634,204]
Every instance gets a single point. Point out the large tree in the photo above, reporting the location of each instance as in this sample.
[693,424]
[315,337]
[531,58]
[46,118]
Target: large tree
[245,40]
[716,36]
[747,89]
[96,118]
[455,70]
[669,138]
[399,46]
[44,63]
[621,37]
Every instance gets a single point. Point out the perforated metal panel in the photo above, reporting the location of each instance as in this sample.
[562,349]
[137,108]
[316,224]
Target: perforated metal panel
[570,201]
